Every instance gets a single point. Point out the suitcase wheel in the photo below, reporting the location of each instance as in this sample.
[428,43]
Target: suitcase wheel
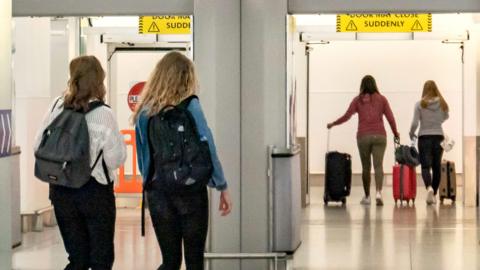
[413,201]
[441,200]
[344,201]
[325,200]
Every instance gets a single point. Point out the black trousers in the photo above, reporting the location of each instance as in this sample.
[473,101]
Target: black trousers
[178,218]
[431,153]
[86,218]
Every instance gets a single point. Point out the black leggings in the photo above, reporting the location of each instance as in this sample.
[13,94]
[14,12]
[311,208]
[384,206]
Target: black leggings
[431,153]
[86,219]
[176,218]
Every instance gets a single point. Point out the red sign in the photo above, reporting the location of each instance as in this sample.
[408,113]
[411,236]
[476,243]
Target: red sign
[134,95]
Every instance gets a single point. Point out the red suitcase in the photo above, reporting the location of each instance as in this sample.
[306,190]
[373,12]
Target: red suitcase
[404,183]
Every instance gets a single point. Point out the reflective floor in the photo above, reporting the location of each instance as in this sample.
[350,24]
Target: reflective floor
[352,237]
[416,237]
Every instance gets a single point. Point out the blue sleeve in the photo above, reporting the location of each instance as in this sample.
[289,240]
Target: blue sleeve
[218,178]
[143,151]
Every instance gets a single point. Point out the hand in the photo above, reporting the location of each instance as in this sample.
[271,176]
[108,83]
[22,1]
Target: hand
[225,203]
[330,125]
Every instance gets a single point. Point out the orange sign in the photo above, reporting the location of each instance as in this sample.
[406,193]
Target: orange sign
[134,183]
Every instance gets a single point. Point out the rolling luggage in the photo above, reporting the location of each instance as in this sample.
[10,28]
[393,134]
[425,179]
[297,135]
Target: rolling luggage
[338,175]
[448,182]
[404,183]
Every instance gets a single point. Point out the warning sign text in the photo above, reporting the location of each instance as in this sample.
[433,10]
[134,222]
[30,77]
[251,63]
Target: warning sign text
[384,22]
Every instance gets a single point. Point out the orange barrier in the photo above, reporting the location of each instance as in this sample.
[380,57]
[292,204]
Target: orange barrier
[134,183]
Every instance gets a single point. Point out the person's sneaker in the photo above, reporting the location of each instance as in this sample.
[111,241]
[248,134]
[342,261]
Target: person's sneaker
[379,199]
[365,201]
[430,196]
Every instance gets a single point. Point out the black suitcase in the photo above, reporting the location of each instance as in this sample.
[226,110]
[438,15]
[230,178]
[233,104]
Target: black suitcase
[338,177]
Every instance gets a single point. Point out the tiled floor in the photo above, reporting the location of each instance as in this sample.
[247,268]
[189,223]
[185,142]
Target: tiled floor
[335,237]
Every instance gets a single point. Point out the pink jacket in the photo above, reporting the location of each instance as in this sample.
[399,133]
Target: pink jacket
[370,109]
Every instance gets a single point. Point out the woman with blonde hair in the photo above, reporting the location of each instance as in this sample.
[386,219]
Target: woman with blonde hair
[178,159]
[430,112]
[86,215]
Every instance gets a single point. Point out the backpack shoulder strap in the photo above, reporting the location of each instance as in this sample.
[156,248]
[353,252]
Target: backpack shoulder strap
[104,166]
[55,105]
[184,104]
[95,104]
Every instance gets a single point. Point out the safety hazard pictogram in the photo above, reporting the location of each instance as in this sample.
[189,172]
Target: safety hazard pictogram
[351,26]
[153,28]
[417,26]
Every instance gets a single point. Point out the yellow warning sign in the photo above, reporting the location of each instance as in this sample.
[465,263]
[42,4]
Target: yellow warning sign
[166,25]
[384,22]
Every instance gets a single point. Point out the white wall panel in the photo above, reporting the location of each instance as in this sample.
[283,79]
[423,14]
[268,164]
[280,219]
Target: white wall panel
[400,68]
[32,70]
[32,57]
[30,112]
[301,86]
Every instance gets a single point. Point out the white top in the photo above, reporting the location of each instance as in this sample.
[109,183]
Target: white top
[104,134]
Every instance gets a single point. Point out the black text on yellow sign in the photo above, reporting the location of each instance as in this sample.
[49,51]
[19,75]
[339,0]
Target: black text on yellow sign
[384,23]
[165,25]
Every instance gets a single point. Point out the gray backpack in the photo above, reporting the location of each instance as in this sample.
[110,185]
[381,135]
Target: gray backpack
[63,157]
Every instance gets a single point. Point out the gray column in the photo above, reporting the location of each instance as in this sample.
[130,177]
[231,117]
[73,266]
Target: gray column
[5,106]
[217,59]
[263,113]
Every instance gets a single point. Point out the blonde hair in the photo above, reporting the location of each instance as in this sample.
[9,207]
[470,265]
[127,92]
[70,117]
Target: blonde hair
[172,80]
[85,83]
[430,91]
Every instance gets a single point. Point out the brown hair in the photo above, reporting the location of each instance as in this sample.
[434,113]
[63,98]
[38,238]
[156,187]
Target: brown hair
[430,91]
[368,85]
[172,80]
[85,83]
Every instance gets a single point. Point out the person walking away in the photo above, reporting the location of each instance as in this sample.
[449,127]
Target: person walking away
[370,106]
[177,158]
[430,113]
[86,215]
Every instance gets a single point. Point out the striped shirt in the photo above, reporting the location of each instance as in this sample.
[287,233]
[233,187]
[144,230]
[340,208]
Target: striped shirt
[104,134]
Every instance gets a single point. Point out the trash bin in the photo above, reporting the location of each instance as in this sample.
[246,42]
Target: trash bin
[287,202]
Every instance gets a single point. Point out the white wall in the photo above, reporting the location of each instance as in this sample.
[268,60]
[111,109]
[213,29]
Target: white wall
[32,84]
[40,74]
[400,68]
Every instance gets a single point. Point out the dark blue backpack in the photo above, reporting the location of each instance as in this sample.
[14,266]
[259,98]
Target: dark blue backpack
[181,161]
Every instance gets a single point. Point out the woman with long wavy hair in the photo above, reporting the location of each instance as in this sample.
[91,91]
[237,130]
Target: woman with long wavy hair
[86,215]
[176,217]
[430,112]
